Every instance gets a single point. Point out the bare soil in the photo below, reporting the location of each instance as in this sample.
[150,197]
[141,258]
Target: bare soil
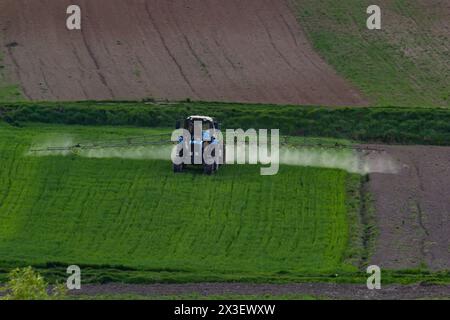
[240,51]
[413,209]
[319,290]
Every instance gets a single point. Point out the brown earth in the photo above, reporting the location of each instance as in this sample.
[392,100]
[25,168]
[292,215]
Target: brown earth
[413,209]
[242,51]
[320,290]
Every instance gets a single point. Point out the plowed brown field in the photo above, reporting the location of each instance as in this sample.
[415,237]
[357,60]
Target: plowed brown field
[413,209]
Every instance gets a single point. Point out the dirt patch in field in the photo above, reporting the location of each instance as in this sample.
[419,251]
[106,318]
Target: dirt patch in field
[320,290]
[413,209]
[241,51]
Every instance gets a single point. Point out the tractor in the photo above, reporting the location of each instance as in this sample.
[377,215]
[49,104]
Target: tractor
[201,138]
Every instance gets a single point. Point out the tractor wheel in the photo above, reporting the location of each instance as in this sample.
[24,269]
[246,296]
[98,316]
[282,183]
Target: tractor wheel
[208,169]
[178,168]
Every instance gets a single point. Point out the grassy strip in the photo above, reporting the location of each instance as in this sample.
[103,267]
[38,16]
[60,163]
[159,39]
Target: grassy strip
[387,125]
[362,225]
[367,216]
[354,202]
[100,274]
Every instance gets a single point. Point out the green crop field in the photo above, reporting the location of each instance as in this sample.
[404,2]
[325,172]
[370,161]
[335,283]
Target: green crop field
[406,63]
[138,215]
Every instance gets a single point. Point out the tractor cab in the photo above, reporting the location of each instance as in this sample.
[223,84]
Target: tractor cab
[201,129]
[207,123]
[203,132]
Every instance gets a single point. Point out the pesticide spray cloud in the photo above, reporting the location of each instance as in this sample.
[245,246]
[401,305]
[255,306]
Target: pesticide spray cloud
[344,159]
[135,153]
[66,148]
[44,145]
[66,144]
[348,160]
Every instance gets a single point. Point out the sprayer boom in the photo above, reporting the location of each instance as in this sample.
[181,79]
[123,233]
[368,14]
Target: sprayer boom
[140,141]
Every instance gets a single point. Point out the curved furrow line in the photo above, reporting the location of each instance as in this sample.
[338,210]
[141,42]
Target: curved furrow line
[169,52]
[96,64]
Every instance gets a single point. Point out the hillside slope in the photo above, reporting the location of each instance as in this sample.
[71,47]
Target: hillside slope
[407,63]
[242,51]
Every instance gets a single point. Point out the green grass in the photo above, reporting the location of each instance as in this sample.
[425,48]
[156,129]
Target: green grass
[139,217]
[404,64]
[8,91]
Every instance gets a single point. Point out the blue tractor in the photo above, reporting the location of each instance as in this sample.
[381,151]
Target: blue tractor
[201,144]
